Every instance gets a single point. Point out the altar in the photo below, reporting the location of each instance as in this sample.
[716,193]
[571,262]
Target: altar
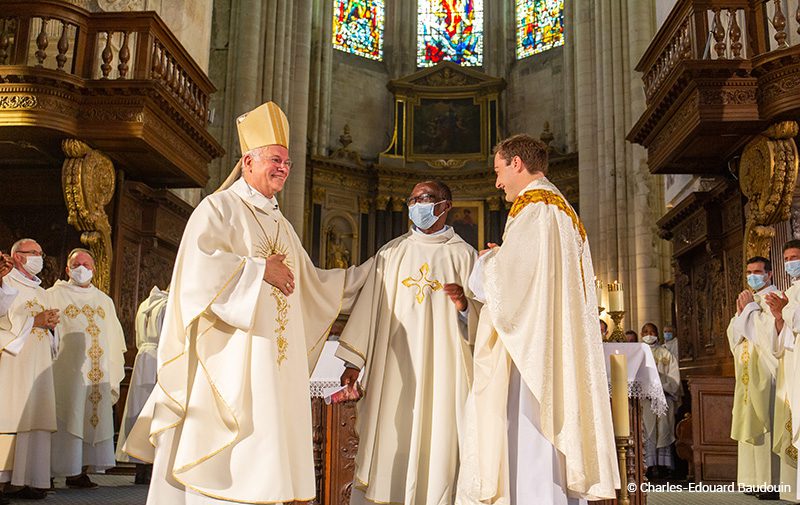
[336,442]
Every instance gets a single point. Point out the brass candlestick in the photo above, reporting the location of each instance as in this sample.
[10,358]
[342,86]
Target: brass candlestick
[623,497]
[617,335]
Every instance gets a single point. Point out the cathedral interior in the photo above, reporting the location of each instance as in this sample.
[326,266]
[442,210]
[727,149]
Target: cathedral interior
[670,126]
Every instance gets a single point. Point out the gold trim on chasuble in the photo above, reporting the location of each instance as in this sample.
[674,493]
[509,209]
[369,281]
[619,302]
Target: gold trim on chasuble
[34,308]
[549,198]
[744,359]
[422,282]
[95,352]
[791,450]
[266,247]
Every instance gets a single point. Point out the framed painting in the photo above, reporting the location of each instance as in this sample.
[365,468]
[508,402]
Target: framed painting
[466,218]
[446,128]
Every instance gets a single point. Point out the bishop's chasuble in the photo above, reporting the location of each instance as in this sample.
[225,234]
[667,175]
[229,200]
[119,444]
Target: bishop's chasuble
[230,418]
[540,377]
[406,334]
[27,398]
[87,370]
[787,392]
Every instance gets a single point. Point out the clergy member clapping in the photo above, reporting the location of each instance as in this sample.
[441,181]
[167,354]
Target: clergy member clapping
[246,320]
[7,293]
[88,370]
[27,347]
[409,331]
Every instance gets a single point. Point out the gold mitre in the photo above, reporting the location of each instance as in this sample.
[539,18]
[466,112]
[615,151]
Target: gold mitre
[266,125]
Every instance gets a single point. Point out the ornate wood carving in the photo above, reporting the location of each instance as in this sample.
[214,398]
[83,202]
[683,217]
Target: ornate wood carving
[88,183]
[767,174]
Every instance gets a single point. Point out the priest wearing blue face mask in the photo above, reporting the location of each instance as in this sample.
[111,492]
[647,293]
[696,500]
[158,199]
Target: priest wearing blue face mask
[410,332]
[750,335]
[786,310]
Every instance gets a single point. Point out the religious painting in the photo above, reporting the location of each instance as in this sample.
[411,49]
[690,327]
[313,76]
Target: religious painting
[450,30]
[540,26]
[446,127]
[466,218]
[358,27]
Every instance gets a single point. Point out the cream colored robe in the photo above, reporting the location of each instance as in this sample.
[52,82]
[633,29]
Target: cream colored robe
[406,333]
[662,429]
[230,418]
[541,313]
[7,295]
[87,370]
[149,319]
[787,393]
[750,339]
[27,398]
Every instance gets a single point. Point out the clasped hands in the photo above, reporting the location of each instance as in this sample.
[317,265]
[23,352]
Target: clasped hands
[47,319]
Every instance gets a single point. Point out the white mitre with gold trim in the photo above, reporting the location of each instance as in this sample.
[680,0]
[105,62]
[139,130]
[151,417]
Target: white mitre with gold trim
[266,125]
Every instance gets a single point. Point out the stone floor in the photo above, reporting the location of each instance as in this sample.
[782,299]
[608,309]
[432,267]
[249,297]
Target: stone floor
[120,490]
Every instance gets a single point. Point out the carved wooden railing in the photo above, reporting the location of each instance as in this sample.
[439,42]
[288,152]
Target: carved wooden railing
[103,46]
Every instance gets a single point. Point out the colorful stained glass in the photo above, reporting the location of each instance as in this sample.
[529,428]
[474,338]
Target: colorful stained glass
[449,30]
[540,26]
[358,27]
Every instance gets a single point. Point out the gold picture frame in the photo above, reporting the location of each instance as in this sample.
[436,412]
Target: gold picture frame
[467,219]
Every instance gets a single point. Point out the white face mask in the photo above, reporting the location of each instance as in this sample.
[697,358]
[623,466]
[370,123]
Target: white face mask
[650,339]
[81,275]
[34,264]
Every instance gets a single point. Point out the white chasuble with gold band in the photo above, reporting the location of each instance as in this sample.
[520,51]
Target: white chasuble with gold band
[540,321]
[406,334]
[750,340]
[230,417]
[87,370]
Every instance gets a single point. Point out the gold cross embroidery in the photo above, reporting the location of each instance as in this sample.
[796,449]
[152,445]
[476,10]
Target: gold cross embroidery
[422,282]
[95,353]
[34,308]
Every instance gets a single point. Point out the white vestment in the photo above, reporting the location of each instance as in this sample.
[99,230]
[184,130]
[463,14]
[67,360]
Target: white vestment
[672,346]
[787,348]
[27,398]
[750,339]
[230,418]
[87,370]
[149,319]
[406,333]
[660,431]
[7,295]
[540,318]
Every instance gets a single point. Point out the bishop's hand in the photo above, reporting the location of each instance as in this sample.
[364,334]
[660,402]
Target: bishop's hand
[279,275]
[489,247]
[456,294]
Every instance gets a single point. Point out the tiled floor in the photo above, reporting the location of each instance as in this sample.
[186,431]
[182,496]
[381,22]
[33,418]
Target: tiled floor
[120,490]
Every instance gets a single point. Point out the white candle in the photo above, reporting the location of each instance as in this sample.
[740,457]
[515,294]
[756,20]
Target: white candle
[616,297]
[619,395]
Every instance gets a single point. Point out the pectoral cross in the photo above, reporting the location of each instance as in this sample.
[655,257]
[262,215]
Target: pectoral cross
[422,282]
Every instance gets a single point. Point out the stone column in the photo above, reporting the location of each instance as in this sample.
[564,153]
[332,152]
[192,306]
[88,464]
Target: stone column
[620,201]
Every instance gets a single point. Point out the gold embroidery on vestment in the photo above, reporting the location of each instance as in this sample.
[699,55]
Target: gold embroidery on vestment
[421,283]
[95,354]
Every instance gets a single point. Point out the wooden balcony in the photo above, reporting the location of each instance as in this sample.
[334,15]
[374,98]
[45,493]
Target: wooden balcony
[121,82]
[717,73]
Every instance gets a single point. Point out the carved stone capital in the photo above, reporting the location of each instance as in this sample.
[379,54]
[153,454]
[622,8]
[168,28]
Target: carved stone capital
[364,204]
[88,183]
[381,201]
[398,204]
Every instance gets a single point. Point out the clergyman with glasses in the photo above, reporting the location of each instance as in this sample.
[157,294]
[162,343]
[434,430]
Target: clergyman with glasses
[410,332]
[27,402]
[246,320]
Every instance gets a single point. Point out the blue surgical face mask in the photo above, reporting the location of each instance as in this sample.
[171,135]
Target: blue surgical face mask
[421,214]
[667,336]
[756,281]
[792,268]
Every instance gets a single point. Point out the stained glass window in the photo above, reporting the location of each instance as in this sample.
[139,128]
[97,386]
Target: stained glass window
[449,30]
[540,26]
[358,27]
